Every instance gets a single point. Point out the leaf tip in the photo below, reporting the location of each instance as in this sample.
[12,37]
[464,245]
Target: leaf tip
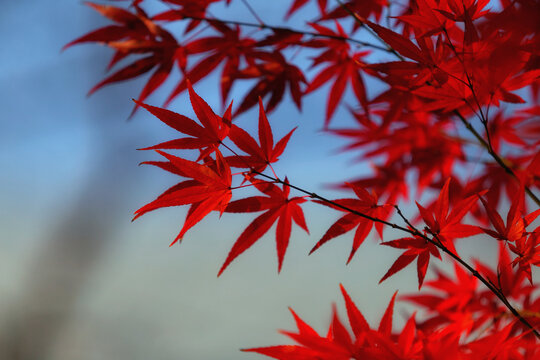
[177,240]
[223,267]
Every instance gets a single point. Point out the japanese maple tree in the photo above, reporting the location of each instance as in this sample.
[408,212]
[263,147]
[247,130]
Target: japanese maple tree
[458,77]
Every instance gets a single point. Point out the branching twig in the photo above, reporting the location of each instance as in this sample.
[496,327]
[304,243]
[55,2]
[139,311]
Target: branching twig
[494,154]
[285,29]
[253,12]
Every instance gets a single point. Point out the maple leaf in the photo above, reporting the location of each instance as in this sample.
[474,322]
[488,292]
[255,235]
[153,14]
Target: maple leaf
[466,12]
[279,207]
[259,156]
[130,25]
[446,225]
[207,137]
[274,74]
[388,181]
[442,344]
[186,9]
[343,66]
[297,4]
[498,345]
[510,280]
[418,143]
[338,344]
[453,305]
[364,8]
[398,42]
[499,68]
[454,57]
[425,18]
[228,48]
[365,204]
[209,189]
[417,248]
[135,34]
[496,179]
[501,128]
[528,250]
[516,223]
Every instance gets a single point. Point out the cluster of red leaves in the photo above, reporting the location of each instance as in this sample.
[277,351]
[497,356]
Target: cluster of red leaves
[421,341]
[462,310]
[209,185]
[366,204]
[448,65]
[135,34]
[462,305]
[452,57]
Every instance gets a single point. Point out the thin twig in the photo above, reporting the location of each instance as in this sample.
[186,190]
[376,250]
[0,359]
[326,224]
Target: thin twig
[406,220]
[360,21]
[484,120]
[494,154]
[285,29]
[253,12]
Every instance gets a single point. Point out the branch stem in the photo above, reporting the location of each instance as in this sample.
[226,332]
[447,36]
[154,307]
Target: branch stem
[285,29]
[494,154]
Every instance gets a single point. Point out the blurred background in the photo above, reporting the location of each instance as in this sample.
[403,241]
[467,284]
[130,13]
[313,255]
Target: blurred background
[79,281]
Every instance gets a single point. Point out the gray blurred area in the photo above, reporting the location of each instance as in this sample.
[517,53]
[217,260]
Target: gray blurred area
[79,281]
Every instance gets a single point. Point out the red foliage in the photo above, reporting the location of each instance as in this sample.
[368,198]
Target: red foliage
[445,65]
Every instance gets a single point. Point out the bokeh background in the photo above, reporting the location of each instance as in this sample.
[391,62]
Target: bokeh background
[80,281]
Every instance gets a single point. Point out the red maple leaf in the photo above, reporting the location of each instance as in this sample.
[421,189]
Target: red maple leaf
[341,65]
[228,47]
[259,156]
[135,34]
[417,248]
[187,8]
[507,278]
[527,250]
[207,137]
[516,222]
[274,75]
[339,344]
[365,204]
[498,345]
[453,304]
[364,8]
[278,207]
[209,189]
[297,4]
[445,225]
